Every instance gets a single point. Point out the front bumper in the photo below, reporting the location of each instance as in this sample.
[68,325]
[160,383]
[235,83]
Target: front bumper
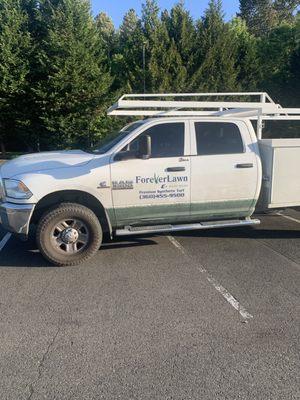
[16,217]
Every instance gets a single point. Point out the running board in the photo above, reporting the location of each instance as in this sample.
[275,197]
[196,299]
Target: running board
[141,230]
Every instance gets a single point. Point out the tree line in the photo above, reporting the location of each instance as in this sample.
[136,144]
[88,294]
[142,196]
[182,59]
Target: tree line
[61,67]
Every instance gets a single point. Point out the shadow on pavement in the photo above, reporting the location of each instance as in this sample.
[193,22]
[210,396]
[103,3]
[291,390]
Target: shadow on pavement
[2,233]
[26,255]
[125,242]
[250,233]
[21,254]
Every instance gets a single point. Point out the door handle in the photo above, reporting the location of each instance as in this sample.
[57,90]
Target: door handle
[249,165]
[175,169]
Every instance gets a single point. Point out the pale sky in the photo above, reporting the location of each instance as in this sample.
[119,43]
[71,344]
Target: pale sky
[116,9]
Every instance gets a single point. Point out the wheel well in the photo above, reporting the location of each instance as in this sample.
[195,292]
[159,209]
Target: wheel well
[72,196]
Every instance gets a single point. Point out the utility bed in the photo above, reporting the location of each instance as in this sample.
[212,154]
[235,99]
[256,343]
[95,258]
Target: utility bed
[281,172]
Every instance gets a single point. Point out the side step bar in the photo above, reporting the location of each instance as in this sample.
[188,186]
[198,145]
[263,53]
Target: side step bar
[141,230]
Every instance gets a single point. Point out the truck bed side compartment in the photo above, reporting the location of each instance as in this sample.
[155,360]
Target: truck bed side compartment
[281,173]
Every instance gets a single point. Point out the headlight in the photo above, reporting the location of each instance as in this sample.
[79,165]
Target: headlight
[16,189]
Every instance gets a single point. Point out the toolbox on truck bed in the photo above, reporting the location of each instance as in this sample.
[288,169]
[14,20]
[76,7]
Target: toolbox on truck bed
[281,172]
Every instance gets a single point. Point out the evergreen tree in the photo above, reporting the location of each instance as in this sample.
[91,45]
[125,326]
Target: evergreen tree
[14,65]
[294,76]
[285,9]
[263,15]
[128,63]
[31,115]
[278,55]
[217,53]
[165,69]
[73,83]
[181,29]
[248,63]
[29,7]
[259,15]
[107,33]
[150,17]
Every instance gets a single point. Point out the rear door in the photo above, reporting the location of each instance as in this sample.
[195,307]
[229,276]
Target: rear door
[155,190]
[224,170]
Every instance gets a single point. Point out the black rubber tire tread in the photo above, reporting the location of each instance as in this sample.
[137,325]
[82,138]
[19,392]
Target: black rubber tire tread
[68,210]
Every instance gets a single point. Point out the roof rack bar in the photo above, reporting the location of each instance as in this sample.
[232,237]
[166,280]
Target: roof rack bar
[277,118]
[260,109]
[149,95]
[163,113]
[131,104]
[288,111]
[182,102]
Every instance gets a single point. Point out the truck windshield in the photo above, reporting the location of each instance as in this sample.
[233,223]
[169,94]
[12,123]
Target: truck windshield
[114,138]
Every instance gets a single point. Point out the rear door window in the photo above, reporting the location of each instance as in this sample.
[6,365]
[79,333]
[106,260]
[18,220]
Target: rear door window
[218,138]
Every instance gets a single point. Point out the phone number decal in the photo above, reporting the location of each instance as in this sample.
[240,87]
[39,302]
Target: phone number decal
[162,194]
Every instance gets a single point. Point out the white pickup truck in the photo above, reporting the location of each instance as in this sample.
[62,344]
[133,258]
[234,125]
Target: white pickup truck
[192,165]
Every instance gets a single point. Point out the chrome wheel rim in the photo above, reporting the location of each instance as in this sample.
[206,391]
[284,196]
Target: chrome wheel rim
[70,236]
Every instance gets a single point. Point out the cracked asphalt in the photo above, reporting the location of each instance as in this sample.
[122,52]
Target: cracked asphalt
[152,318]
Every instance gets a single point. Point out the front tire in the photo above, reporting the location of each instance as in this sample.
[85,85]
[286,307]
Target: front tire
[69,234]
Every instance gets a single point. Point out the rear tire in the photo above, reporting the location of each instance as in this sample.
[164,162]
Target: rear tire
[69,234]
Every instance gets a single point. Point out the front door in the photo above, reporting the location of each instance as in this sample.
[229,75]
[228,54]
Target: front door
[224,171]
[155,190]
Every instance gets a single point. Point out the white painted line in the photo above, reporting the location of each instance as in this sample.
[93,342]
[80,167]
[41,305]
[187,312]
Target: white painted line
[177,244]
[224,292]
[290,218]
[5,240]
[228,296]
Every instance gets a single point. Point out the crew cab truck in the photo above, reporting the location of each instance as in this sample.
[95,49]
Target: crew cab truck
[192,164]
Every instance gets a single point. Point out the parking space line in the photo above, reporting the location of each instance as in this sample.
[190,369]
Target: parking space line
[5,240]
[177,244]
[289,218]
[224,292]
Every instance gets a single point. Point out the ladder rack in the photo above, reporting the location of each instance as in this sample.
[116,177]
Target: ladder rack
[257,106]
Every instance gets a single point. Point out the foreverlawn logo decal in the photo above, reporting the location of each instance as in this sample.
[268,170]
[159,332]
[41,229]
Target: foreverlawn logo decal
[161,179]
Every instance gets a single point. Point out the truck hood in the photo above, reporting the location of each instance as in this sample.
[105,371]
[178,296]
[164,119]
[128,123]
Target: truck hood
[45,161]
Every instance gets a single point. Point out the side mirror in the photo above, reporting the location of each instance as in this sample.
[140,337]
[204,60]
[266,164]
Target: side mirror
[144,147]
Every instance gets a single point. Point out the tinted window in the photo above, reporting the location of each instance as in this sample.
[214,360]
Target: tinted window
[167,140]
[218,138]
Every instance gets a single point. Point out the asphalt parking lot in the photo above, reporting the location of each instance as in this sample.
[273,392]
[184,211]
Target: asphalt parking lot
[197,315]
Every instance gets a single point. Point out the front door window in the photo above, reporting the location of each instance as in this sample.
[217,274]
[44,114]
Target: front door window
[167,140]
